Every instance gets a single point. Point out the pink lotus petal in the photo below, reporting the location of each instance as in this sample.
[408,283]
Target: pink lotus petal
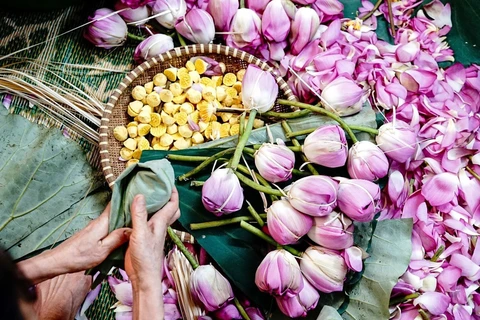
[468,267]
[124,293]
[441,189]
[353,258]
[462,312]
[435,302]
[448,278]
[89,299]
[123,315]
[171,312]
[456,76]
[332,34]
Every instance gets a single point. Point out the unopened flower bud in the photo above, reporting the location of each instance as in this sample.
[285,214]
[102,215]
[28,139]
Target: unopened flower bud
[326,146]
[285,224]
[324,269]
[275,162]
[279,274]
[398,140]
[358,199]
[259,89]
[334,231]
[343,97]
[197,26]
[222,12]
[275,22]
[246,29]
[367,161]
[153,46]
[168,11]
[304,27]
[139,15]
[210,287]
[300,304]
[222,193]
[107,30]
[314,195]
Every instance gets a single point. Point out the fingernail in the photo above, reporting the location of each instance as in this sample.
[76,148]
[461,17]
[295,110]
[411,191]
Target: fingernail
[128,232]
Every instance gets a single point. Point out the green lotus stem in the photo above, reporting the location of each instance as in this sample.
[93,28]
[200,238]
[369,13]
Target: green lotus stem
[135,37]
[293,148]
[423,314]
[259,233]
[242,124]
[181,40]
[287,115]
[390,17]
[398,300]
[322,111]
[353,127]
[260,179]
[242,141]
[287,129]
[240,308]
[438,253]
[204,164]
[242,4]
[249,150]
[179,157]
[368,15]
[255,215]
[182,248]
[473,173]
[221,223]
[300,173]
[252,184]
[196,183]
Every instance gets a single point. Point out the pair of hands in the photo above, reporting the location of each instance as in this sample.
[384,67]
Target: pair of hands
[90,246]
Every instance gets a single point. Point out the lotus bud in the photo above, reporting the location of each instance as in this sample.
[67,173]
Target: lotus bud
[222,12]
[290,8]
[343,97]
[326,146]
[210,287]
[334,231]
[275,162]
[169,11]
[367,161]
[324,269]
[139,15]
[279,274]
[107,30]
[300,304]
[314,195]
[153,46]
[222,193]
[358,199]
[285,224]
[134,4]
[245,30]
[275,22]
[398,140]
[259,89]
[197,26]
[304,27]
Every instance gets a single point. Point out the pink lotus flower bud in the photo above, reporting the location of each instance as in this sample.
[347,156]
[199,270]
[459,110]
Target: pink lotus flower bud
[314,195]
[398,140]
[222,12]
[326,146]
[210,287]
[367,161]
[108,29]
[279,274]
[197,26]
[257,5]
[285,224]
[259,89]
[343,97]
[300,304]
[275,162]
[324,269]
[304,27]
[275,22]
[153,46]
[358,199]
[245,30]
[169,11]
[222,193]
[139,14]
[334,231]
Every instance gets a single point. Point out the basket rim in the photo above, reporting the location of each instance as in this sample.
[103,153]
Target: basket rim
[174,53]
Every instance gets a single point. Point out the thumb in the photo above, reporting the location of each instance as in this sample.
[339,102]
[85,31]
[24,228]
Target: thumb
[139,213]
[116,238]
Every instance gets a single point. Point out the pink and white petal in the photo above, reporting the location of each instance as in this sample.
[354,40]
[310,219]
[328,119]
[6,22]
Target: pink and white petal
[461,312]
[353,258]
[469,268]
[441,189]
[89,299]
[435,302]
[123,315]
[448,278]
[124,293]
[171,312]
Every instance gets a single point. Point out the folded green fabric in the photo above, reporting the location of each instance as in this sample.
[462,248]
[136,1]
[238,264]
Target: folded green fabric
[154,179]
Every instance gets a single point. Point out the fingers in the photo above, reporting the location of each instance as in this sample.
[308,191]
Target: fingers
[138,211]
[116,238]
[169,213]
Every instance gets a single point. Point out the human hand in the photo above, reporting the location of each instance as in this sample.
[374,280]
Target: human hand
[144,256]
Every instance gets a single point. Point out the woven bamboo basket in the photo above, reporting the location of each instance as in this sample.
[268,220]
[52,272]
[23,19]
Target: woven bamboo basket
[115,113]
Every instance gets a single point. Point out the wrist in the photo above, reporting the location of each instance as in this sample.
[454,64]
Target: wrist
[42,267]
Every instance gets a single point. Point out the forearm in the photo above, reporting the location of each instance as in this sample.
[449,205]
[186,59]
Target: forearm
[148,303]
[41,267]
